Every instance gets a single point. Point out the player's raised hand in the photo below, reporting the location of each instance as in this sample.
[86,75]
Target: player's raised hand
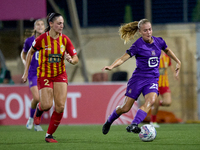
[177,70]
[107,68]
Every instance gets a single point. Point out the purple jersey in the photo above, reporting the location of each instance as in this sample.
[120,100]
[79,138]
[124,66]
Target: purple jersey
[34,62]
[147,56]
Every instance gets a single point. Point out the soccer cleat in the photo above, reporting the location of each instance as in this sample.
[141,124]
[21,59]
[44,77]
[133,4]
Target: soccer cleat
[38,128]
[37,116]
[29,123]
[155,124]
[50,139]
[133,128]
[106,127]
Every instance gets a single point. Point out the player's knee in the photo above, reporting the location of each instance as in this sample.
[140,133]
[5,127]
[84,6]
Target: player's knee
[37,100]
[125,109]
[168,104]
[59,108]
[46,107]
[150,102]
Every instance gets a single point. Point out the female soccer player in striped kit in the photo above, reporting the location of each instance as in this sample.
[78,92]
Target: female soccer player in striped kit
[32,72]
[53,47]
[163,87]
[147,50]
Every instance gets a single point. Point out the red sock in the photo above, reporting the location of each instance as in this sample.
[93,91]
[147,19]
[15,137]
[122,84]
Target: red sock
[153,118]
[54,123]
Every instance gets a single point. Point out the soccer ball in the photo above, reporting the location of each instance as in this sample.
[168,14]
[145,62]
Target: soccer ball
[148,133]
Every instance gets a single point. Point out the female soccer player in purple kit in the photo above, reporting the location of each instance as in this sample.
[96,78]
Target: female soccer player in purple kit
[147,50]
[32,74]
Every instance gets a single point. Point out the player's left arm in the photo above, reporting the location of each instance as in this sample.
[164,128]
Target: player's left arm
[71,54]
[173,56]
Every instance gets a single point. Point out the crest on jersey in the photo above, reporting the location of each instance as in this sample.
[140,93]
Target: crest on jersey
[62,48]
[153,53]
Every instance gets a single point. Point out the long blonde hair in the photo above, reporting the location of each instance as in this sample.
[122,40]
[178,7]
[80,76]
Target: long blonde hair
[128,30]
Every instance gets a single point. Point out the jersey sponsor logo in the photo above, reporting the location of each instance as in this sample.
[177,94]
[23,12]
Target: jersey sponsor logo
[55,58]
[153,62]
[47,47]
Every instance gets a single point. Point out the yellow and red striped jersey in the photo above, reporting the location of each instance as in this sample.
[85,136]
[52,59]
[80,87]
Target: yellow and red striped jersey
[51,54]
[165,62]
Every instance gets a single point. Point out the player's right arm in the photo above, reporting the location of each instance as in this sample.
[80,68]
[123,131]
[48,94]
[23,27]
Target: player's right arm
[27,64]
[117,62]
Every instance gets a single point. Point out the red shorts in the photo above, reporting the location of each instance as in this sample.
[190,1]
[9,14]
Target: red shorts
[163,90]
[43,82]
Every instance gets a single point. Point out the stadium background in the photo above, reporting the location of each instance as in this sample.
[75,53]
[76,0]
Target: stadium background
[176,21]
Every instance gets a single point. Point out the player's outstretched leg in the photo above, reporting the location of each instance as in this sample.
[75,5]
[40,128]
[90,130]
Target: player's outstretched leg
[107,124]
[38,114]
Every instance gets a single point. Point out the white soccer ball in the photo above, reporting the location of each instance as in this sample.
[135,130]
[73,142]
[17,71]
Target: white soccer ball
[148,133]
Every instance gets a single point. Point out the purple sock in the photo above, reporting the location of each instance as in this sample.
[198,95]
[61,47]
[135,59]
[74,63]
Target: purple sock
[113,116]
[32,111]
[139,117]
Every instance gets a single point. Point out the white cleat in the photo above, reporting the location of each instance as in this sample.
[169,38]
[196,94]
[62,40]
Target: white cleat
[38,128]
[155,124]
[29,123]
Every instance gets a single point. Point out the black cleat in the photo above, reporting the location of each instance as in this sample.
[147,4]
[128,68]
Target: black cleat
[133,128]
[106,127]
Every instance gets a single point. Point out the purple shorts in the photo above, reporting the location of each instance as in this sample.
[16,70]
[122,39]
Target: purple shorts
[138,85]
[32,81]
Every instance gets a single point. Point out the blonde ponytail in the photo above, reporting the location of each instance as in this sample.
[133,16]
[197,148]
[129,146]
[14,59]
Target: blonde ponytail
[128,31]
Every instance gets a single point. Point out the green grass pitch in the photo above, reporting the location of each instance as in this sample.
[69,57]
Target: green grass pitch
[90,137]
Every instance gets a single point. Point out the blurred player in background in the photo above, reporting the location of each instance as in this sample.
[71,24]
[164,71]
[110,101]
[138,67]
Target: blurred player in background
[163,87]
[32,72]
[53,47]
[5,75]
[147,51]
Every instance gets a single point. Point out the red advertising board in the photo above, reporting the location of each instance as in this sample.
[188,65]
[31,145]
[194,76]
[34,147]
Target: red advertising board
[85,104]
